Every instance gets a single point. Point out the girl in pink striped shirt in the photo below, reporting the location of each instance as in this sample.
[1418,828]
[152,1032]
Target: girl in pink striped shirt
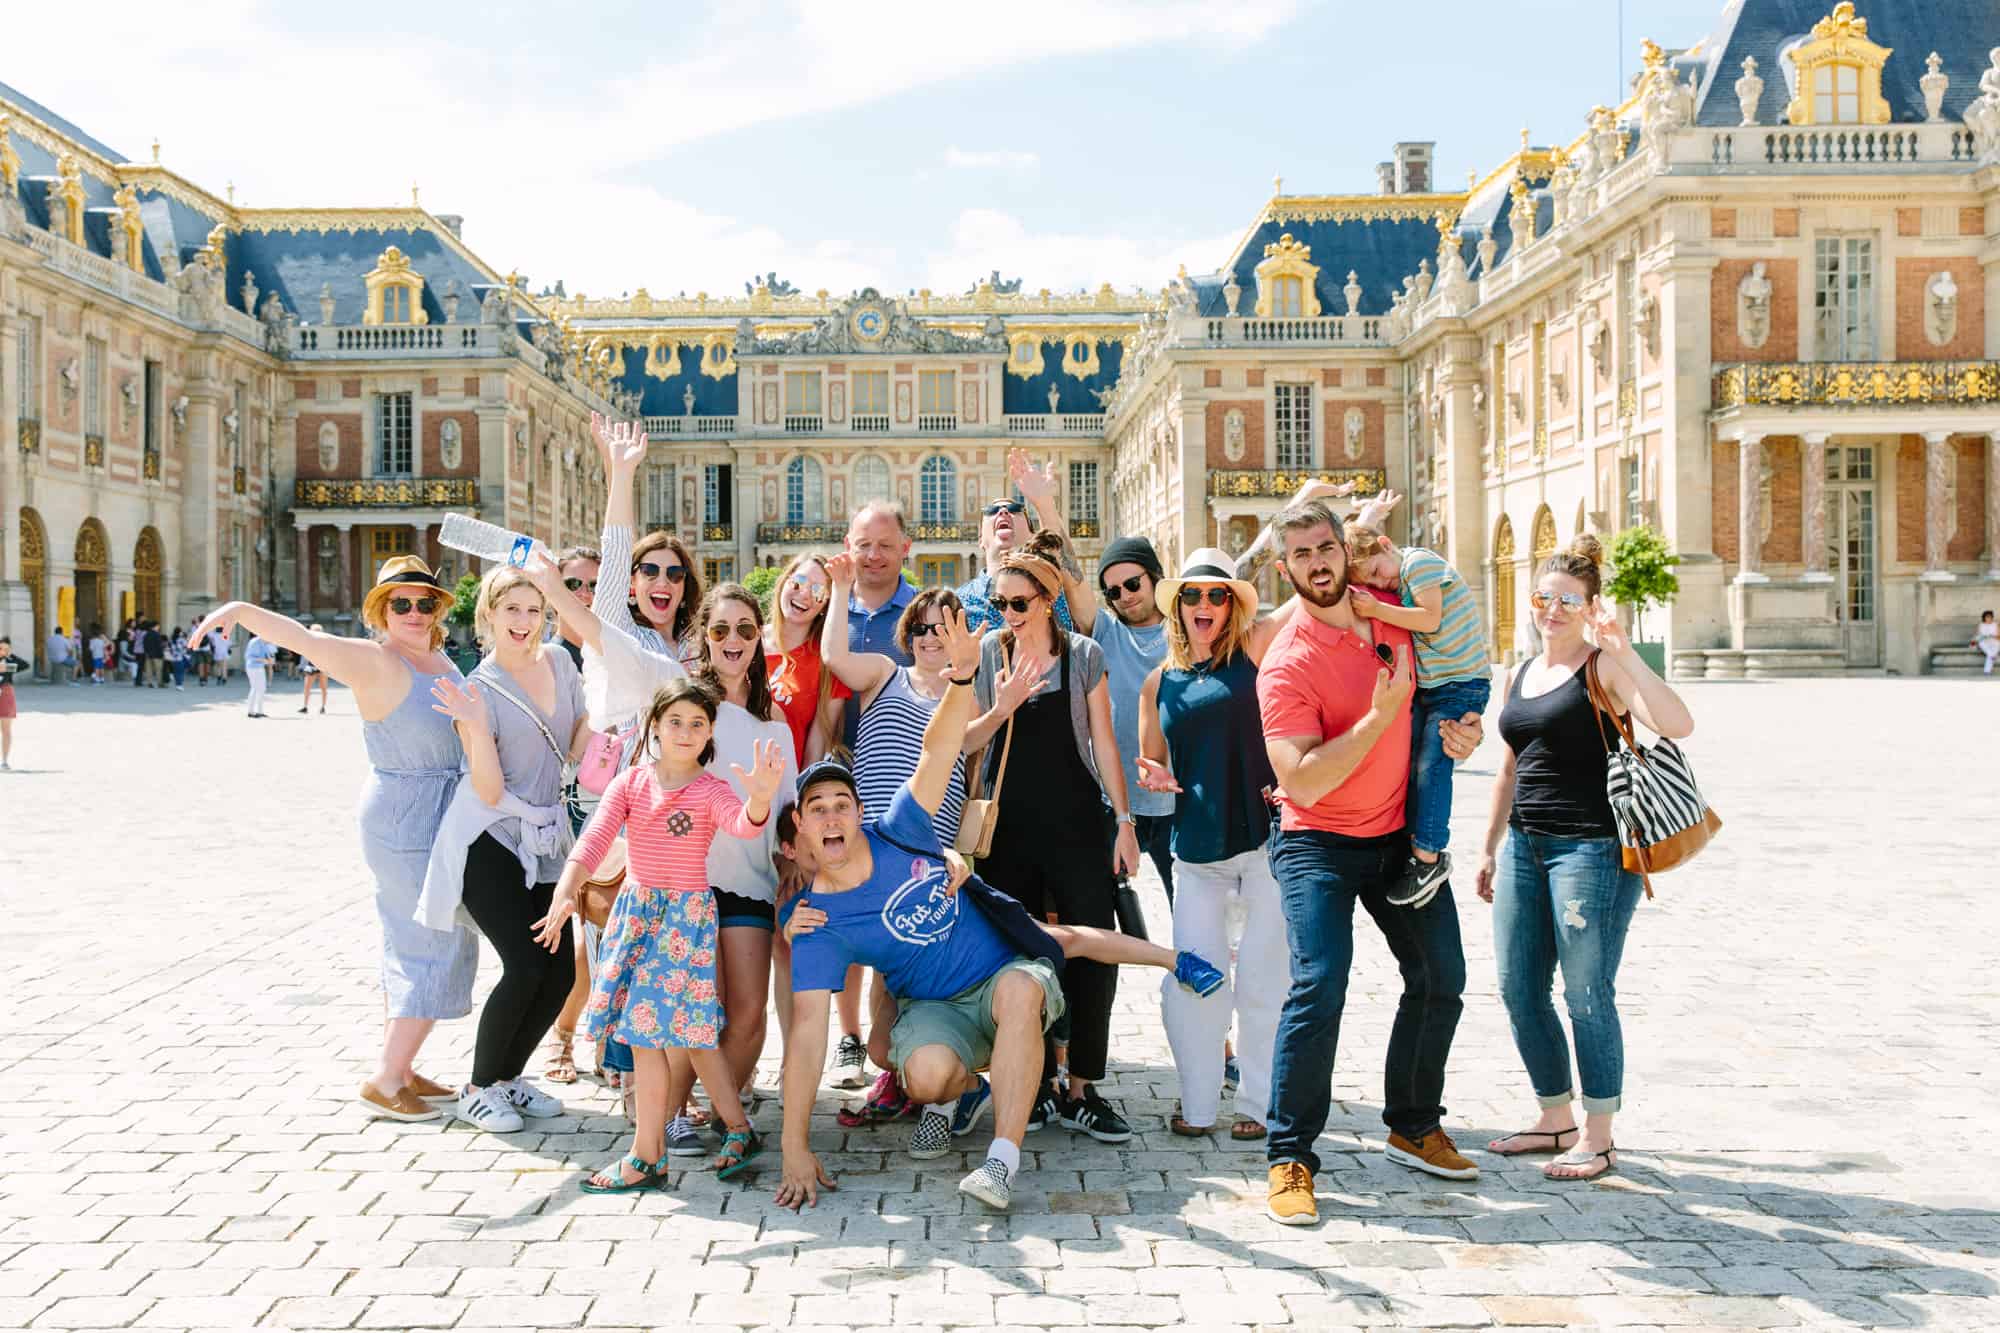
[655,987]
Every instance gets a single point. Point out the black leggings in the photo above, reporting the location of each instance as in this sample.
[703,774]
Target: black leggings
[1072,882]
[534,982]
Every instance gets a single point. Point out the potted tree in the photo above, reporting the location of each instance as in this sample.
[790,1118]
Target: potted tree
[464,603]
[1642,576]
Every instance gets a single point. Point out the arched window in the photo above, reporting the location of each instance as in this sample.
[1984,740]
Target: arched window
[938,496]
[395,291]
[1503,589]
[805,491]
[871,480]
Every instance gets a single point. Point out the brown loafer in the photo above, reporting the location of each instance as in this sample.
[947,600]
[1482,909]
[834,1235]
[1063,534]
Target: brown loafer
[430,1091]
[405,1105]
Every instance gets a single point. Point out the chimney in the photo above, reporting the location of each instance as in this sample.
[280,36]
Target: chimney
[452,222]
[1413,167]
[1385,177]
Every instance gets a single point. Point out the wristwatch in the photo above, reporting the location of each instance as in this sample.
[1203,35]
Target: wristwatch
[1129,818]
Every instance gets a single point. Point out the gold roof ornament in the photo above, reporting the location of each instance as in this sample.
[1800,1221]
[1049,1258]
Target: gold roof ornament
[132,225]
[212,254]
[393,271]
[1287,258]
[10,161]
[1839,47]
[66,199]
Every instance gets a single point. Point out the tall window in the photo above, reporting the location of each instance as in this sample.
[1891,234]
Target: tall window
[1288,298]
[1083,492]
[938,489]
[871,393]
[93,387]
[393,435]
[1836,94]
[396,304]
[28,372]
[1293,425]
[805,491]
[871,480]
[1628,326]
[150,439]
[937,392]
[715,489]
[1634,495]
[1844,297]
[802,393]
[660,495]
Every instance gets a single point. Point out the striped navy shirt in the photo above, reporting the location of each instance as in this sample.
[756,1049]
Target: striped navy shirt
[891,742]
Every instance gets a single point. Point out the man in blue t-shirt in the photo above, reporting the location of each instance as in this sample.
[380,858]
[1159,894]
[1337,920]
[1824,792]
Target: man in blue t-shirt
[969,996]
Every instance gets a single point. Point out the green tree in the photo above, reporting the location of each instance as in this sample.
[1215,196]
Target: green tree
[1642,570]
[760,581]
[464,601]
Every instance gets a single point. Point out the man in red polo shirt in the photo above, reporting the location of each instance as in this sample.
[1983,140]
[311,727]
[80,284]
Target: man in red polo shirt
[1334,690]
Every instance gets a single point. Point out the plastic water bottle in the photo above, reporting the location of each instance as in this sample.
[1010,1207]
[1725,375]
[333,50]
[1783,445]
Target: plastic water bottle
[462,532]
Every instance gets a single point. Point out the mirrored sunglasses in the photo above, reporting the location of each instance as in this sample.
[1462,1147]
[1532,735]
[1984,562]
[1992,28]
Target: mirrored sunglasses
[1542,601]
[673,573]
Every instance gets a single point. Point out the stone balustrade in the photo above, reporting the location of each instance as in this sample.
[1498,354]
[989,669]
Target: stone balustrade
[1055,423]
[1763,149]
[1338,330]
[660,426]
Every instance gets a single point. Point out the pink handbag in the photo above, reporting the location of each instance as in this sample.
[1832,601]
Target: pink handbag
[600,761]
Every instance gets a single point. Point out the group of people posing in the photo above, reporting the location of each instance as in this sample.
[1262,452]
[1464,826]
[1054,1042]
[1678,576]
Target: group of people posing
[943,791]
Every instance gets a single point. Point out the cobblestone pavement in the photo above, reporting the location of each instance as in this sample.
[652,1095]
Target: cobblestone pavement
[1808,1141]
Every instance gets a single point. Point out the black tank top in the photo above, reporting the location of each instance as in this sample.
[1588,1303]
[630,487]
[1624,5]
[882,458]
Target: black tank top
[1558,761]
[1047,795]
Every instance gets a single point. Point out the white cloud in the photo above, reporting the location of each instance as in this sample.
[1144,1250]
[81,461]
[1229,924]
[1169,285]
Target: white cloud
[992,159]
[546,157]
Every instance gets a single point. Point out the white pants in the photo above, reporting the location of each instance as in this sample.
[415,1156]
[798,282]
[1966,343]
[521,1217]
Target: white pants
[259,679]
[1196,1028]
[1991,647]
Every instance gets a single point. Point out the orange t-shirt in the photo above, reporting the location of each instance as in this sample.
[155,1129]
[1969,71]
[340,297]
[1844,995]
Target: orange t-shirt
[1317,680]
[795,685]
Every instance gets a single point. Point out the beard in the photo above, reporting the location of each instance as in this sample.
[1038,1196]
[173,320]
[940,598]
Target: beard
[1332,597]
[1137,613]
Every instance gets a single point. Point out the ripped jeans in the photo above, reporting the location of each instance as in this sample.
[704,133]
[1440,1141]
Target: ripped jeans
[1564,902]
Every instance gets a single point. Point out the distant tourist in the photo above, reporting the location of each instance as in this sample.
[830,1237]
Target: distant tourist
[9,664]
[1987,640]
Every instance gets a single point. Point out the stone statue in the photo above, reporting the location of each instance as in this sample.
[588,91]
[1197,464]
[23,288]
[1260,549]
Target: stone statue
[249,294]
[1521,215]
[1749,91]
[1487,248]
[1055,397]
[329,447]
[449,300]
[1351,293]
[1933,84]
[180,412]
[274,312]
[687,401]
[451,445]
[1233,446]
[1940,308]
[1982,117]
[1353,429]
[326,303]
[1424,279]
[1232,294]
[1753,307]
[231,423]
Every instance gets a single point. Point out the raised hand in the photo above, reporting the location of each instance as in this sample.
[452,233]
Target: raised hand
[600,426]
[961,646]
[1017,683]
[542,571]
[465,705]
[1605,631]
[840,570]
[1315,489]
[1377,508]
[1156,776]
[548,931]
[766,771]
[1035,481]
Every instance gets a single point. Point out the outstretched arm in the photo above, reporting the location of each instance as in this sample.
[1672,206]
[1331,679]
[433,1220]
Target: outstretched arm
[1265,548]
[805,1057]
[355,663]
[945,734]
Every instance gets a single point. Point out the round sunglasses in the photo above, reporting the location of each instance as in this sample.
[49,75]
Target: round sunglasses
[402,605]
[1215,596]
[1130,586]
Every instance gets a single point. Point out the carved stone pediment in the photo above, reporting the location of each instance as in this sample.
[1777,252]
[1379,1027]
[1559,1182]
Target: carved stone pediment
[867,323]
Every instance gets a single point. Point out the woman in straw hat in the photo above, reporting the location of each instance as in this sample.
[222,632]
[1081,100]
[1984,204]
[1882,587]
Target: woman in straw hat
[415,758]
[1201,738]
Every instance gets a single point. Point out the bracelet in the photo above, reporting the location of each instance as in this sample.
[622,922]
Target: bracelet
[954,680]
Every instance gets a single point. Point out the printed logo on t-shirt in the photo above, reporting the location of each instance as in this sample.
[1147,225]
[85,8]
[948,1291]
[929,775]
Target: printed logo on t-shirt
[921,910]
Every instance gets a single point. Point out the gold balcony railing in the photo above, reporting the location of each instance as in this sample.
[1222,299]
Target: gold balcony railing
[405,493]
[31,435]
[718,532]
[835,534]
[1856,383]
[1283,483]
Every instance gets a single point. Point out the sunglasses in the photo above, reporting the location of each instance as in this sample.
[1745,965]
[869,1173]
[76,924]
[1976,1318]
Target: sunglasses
[1005,507]
[744,631]
[1130,585]
[813,590]
[578,585]
[925,630]
[673,573]
[1018,605]
[1385,655]
[401,605]
[1542,601]
[1216,596]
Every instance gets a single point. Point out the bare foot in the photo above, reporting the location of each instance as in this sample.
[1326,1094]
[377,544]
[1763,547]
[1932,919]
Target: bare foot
[1527,1142]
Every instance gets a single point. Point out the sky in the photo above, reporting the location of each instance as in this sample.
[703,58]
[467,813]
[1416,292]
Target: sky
[689,147]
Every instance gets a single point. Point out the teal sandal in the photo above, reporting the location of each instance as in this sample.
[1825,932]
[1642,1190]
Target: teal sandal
[651,1176]
[738,1147]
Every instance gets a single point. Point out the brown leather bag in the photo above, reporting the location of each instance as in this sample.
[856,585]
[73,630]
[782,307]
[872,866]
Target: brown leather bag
[600,891]
[982,816]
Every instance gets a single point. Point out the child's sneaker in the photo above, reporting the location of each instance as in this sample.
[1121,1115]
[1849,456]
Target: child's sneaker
[682,1141]
[1420,881]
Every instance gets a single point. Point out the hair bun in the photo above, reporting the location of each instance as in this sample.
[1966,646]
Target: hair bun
[1045,544]
[1587,547]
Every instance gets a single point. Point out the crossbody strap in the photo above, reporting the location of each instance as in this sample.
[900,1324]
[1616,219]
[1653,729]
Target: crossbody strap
[1006,746]
[533,717]
[1600,699]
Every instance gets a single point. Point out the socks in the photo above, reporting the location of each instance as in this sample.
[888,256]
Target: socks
[1010,1153]
[945,1109]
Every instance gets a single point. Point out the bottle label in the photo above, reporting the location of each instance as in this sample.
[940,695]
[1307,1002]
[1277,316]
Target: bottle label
[518,557]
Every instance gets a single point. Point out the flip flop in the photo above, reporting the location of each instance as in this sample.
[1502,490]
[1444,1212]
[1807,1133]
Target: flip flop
[1246,1130]
[1554,1144]
[1578,1157]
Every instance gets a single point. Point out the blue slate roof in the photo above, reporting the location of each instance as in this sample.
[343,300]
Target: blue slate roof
[1031,395]
[1379,251]
[57,123]
[297,264]
[667,397]
[1960,31]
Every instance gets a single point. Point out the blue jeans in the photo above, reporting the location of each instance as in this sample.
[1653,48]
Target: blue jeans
[1429,810]
[1320,878]
[1564,902]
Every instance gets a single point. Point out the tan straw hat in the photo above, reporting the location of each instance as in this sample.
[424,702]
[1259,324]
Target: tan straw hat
[1207,565]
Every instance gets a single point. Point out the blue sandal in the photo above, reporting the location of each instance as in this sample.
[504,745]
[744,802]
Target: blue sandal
[651,1176]
[738,1147]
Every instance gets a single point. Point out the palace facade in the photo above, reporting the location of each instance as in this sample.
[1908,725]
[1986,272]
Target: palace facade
[1757,306]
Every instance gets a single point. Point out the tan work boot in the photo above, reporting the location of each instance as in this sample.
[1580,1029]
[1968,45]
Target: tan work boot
[1291,1202]
[1433,1152]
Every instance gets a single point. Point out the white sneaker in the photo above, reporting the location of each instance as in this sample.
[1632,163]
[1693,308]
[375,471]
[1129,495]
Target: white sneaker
[530,1100]
[489,1109]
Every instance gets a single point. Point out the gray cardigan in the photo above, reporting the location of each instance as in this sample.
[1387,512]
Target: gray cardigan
[1086,668]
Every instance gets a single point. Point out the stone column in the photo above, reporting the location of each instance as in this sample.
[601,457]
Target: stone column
[1993,505]
[1937,523]
[346,584]
[1749,544]
[302,592]
[1812,458]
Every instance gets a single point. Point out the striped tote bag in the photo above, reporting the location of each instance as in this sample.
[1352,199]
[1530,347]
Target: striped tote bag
[1662,819]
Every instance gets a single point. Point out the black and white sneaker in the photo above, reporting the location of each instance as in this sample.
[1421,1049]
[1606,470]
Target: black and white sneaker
[989,1184]
[1420,881]
[1047,1108]
[1092,1115]
[932,1136]
[489,1109]
[530,1100]
[849,1067]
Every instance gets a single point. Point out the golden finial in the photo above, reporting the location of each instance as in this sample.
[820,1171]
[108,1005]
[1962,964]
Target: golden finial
[1277,185]
[232,192]
[1653,57]
[414,201]
[156,151]
[1524,138]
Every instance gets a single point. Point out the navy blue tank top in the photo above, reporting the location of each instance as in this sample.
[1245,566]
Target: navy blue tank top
[1215,743]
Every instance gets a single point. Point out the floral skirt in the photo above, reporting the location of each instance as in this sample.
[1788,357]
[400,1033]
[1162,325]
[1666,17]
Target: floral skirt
[655,985]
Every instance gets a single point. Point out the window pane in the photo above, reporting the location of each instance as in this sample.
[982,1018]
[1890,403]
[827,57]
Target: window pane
[938,497]
[871,480]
